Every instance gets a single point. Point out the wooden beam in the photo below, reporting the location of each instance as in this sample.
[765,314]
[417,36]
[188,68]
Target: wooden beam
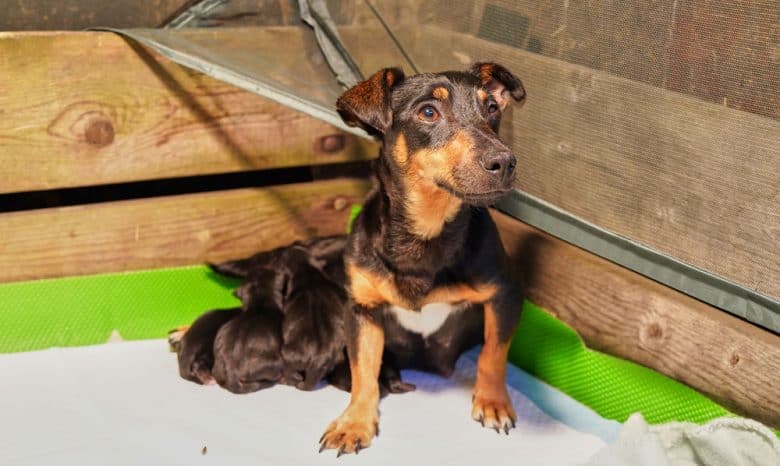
[624,314]
[170,231]
[84,108]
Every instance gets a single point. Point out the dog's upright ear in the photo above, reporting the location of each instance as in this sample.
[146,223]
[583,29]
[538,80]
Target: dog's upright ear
[499,82]
[367,104]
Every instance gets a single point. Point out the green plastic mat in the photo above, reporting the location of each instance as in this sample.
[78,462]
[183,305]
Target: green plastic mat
[140,305]
[86,310]
[549,349]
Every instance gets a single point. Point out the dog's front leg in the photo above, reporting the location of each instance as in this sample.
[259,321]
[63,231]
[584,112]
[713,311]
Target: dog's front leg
[359,423]
[491,404]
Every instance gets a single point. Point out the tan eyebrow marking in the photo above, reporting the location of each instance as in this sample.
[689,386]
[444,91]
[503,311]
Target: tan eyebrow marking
[441,93]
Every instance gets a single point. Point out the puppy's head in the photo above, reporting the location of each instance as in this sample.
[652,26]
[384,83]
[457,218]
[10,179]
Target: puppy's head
[441,129]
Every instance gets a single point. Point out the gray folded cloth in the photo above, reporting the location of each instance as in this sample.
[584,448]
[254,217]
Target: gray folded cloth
[727,441]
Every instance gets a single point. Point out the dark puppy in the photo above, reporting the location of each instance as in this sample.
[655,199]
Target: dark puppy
[248,351]
[194,345]
[307,284]
[290,329]
[313,327]
[425,237]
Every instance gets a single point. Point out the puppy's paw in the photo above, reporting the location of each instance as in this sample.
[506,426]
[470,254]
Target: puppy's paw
[175,336]
[493,409]
[351,432]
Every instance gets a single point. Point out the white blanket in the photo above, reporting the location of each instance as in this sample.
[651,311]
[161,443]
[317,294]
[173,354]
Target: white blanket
[124,404]
[727,441]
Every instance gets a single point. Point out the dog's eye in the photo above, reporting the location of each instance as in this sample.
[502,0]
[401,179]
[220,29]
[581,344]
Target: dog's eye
[492,108]
[428,113]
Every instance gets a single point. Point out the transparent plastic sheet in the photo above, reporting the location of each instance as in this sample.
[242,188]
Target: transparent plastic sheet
[655,136]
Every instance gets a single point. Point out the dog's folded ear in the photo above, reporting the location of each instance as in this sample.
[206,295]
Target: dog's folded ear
[367,104]
[500,82]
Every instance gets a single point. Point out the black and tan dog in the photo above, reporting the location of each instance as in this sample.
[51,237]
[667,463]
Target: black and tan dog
[425,236]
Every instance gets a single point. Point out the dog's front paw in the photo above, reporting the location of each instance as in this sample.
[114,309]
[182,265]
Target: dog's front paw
[351,432]
[493,409]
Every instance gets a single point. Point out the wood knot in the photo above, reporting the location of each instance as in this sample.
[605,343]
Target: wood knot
[99,131]
[734,359]
[340,203]
[653,331]
[331,143]
[85,122]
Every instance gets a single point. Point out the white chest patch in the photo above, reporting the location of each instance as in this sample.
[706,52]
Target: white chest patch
[427,320]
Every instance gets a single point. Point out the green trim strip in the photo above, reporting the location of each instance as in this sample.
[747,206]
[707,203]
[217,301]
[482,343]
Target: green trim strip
[748,304]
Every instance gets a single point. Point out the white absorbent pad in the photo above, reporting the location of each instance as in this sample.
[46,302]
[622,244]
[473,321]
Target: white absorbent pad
[124,404]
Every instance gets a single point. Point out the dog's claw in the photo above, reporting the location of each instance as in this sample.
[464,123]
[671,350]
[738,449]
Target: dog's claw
[482,420]
[496,429]
[322,447]
[506,429]
[376,430]
[341,451]
[358,446]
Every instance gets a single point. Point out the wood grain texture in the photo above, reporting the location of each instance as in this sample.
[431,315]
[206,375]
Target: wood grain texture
[624,314]
[170,231]
[41,15]
[694,180]
[61,15]
[88,108]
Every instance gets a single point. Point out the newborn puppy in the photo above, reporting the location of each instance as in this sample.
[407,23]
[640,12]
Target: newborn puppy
[247,348]
[313,325]
[194,345]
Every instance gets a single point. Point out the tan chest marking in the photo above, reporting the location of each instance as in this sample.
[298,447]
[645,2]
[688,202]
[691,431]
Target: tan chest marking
[371,290]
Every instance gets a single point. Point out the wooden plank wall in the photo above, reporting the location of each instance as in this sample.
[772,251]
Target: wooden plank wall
[90,108]
[624,314]
[170,231]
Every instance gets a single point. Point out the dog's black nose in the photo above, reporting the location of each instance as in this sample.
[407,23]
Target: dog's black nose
[501,164]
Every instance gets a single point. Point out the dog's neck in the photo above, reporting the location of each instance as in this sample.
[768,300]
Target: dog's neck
[422,226]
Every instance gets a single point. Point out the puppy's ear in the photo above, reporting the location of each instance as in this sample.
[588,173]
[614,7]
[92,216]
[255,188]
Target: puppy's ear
[367,104]
[499,82]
